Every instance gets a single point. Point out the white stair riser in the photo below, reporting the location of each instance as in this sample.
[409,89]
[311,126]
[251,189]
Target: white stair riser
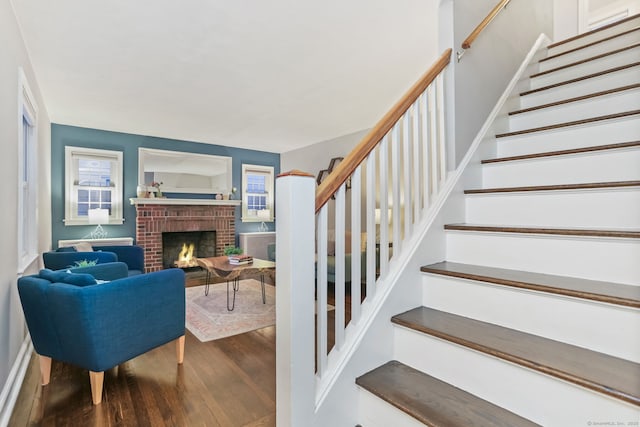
[594,66]
[608,81]
[595,166]
[603,47]
[543,399]
[596,133]
[618,102]
[575,321]
[617,29]
[375,412]
[596,258]
[598,209]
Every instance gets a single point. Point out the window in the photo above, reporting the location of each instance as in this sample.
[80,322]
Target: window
[257,193]
[93,180]
[27,173]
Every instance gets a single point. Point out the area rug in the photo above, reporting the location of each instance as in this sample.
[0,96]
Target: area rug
[208,318]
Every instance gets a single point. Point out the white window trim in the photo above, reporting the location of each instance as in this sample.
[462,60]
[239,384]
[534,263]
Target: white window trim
[269,170]
[70,203]
[27,230]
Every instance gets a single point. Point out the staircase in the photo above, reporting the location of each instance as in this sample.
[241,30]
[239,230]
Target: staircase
[533,318]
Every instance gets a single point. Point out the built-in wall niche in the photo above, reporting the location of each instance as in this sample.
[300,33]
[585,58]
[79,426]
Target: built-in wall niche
[182,172]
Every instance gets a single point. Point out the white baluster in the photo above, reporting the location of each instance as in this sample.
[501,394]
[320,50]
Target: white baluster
[356,258]
[406,168]
[441,129]
[433,140]
[384,204]
[415,133]
[371,224]
[321,297]
[339,266]
[395,185]
[424,123]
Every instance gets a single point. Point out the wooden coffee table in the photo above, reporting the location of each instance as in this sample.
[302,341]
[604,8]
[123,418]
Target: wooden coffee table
[219,266]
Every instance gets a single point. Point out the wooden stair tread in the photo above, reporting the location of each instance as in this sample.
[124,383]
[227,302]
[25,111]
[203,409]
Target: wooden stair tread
[582,61]
[572,123]
[597,30]
[581,186]
[620,145]
[576,99]
[432,401]
[608,292]
[578,79]
[606,374]
[628,233]
[590,44]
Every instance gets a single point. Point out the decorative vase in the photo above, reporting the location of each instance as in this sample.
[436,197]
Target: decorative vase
[141,191]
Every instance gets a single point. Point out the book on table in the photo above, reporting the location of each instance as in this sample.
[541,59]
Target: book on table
[240,259]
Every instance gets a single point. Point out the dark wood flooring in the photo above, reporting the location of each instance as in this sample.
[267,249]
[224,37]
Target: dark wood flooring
[226,382]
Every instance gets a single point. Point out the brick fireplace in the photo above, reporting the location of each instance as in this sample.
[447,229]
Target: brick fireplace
[154,217]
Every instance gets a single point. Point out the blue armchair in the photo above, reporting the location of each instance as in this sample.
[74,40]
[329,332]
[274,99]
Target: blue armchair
[61,258]
[73,319]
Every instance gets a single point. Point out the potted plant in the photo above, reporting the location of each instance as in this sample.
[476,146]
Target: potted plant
[232,250]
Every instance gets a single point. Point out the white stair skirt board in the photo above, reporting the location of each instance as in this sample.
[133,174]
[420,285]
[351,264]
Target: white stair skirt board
[520,390]
[598,208]
[604,63]
[623,77]
[616,102]
[589,324]
[595,258]
[618,42]
[593,166]
[598,133]
[375,412]
[617,29]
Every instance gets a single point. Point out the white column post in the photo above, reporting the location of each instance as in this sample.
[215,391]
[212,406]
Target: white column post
[295,224]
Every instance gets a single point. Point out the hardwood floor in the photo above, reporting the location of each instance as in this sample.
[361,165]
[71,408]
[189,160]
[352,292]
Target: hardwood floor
[227,382]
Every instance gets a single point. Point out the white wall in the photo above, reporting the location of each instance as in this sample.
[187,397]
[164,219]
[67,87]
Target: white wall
[313,158]
[565,19]
[14,55]
[486,68]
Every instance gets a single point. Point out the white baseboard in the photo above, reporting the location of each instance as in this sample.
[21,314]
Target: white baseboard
[12,386]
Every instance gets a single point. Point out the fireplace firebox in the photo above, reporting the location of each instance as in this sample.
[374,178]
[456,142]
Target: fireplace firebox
[180,249]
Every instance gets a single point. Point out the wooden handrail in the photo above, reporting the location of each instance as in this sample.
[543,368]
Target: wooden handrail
[346,168]
[466,44]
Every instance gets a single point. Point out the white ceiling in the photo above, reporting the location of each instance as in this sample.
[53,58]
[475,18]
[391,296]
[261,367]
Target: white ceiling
[272,75]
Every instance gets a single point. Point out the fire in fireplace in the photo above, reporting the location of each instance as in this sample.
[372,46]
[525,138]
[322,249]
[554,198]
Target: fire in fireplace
[180,249]
[186,258]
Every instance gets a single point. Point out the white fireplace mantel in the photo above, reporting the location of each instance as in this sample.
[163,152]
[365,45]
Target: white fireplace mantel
[192,202]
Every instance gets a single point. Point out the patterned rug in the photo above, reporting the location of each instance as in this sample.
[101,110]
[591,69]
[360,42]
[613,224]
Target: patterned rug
[208,318]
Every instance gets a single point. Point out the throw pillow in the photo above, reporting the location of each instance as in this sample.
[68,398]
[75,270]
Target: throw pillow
[77,279]
[83,247]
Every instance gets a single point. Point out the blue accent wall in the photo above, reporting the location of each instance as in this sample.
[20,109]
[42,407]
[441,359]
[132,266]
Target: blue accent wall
[62,135]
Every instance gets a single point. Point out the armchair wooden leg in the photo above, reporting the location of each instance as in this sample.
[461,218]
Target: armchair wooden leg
[45,369]
[97,379]
[180,349]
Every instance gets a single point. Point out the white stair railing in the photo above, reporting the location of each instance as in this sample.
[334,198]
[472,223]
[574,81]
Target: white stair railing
[354,241]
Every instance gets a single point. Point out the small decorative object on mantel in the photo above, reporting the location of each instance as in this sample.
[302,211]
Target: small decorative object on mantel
[218,196]
[142,191]
[158,190]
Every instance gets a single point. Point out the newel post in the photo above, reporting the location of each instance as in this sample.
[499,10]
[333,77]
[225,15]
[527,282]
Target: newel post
[295,224]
